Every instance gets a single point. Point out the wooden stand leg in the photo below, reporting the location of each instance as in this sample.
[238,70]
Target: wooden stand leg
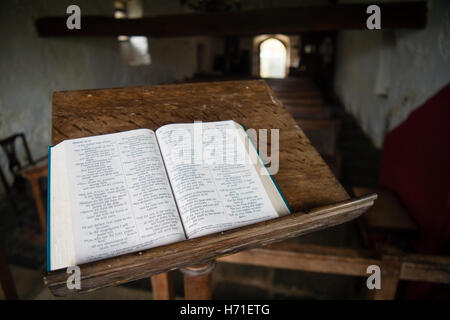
[390,276]
[197,281]
[162,286]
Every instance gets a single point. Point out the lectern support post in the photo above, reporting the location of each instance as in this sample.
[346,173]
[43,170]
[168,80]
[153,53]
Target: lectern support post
[162,286]
[197,281]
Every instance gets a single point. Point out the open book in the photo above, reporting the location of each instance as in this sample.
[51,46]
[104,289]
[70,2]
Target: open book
[124,192]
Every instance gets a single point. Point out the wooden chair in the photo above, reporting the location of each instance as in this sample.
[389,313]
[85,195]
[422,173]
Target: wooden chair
[31,170]
[14,164]
[8,145]
[35,174]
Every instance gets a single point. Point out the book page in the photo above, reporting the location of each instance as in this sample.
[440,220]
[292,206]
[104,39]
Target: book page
[216,187]
[121,200]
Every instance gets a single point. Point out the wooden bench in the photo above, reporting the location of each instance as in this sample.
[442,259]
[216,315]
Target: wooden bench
[394,265]
[309,112]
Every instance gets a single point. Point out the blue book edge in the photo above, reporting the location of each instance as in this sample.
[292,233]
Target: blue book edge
[271,177]
[48,209]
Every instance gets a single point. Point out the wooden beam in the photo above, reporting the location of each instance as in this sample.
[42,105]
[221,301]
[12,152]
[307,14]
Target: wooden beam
[427,268]
[134,266]
[346,261]
[306,257]
[282,20]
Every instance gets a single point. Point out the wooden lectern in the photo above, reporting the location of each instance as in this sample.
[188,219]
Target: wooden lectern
[311,190]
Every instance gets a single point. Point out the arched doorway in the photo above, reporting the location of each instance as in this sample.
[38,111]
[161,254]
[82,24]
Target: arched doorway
[272,59]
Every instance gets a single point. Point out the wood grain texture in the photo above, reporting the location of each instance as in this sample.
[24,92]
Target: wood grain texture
[303,176]
[201,250]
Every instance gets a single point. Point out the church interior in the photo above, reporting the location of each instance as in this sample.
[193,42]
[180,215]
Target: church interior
[373,100]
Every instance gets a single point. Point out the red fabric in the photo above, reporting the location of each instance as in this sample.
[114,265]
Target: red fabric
[416,166]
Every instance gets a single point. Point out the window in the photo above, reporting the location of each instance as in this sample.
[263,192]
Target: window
[272,57]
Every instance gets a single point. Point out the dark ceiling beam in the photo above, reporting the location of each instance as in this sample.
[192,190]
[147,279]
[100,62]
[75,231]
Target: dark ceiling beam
[294,20]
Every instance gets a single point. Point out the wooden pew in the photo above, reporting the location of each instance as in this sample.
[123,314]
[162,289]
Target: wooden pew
[309,113]
[303,102]
[394,265]
[299,94]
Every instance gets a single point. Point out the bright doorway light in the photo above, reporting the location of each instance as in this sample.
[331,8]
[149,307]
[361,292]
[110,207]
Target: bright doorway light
[272,57]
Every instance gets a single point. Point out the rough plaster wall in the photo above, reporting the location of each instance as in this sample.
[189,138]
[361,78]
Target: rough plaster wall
[418,68]
[32,67]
